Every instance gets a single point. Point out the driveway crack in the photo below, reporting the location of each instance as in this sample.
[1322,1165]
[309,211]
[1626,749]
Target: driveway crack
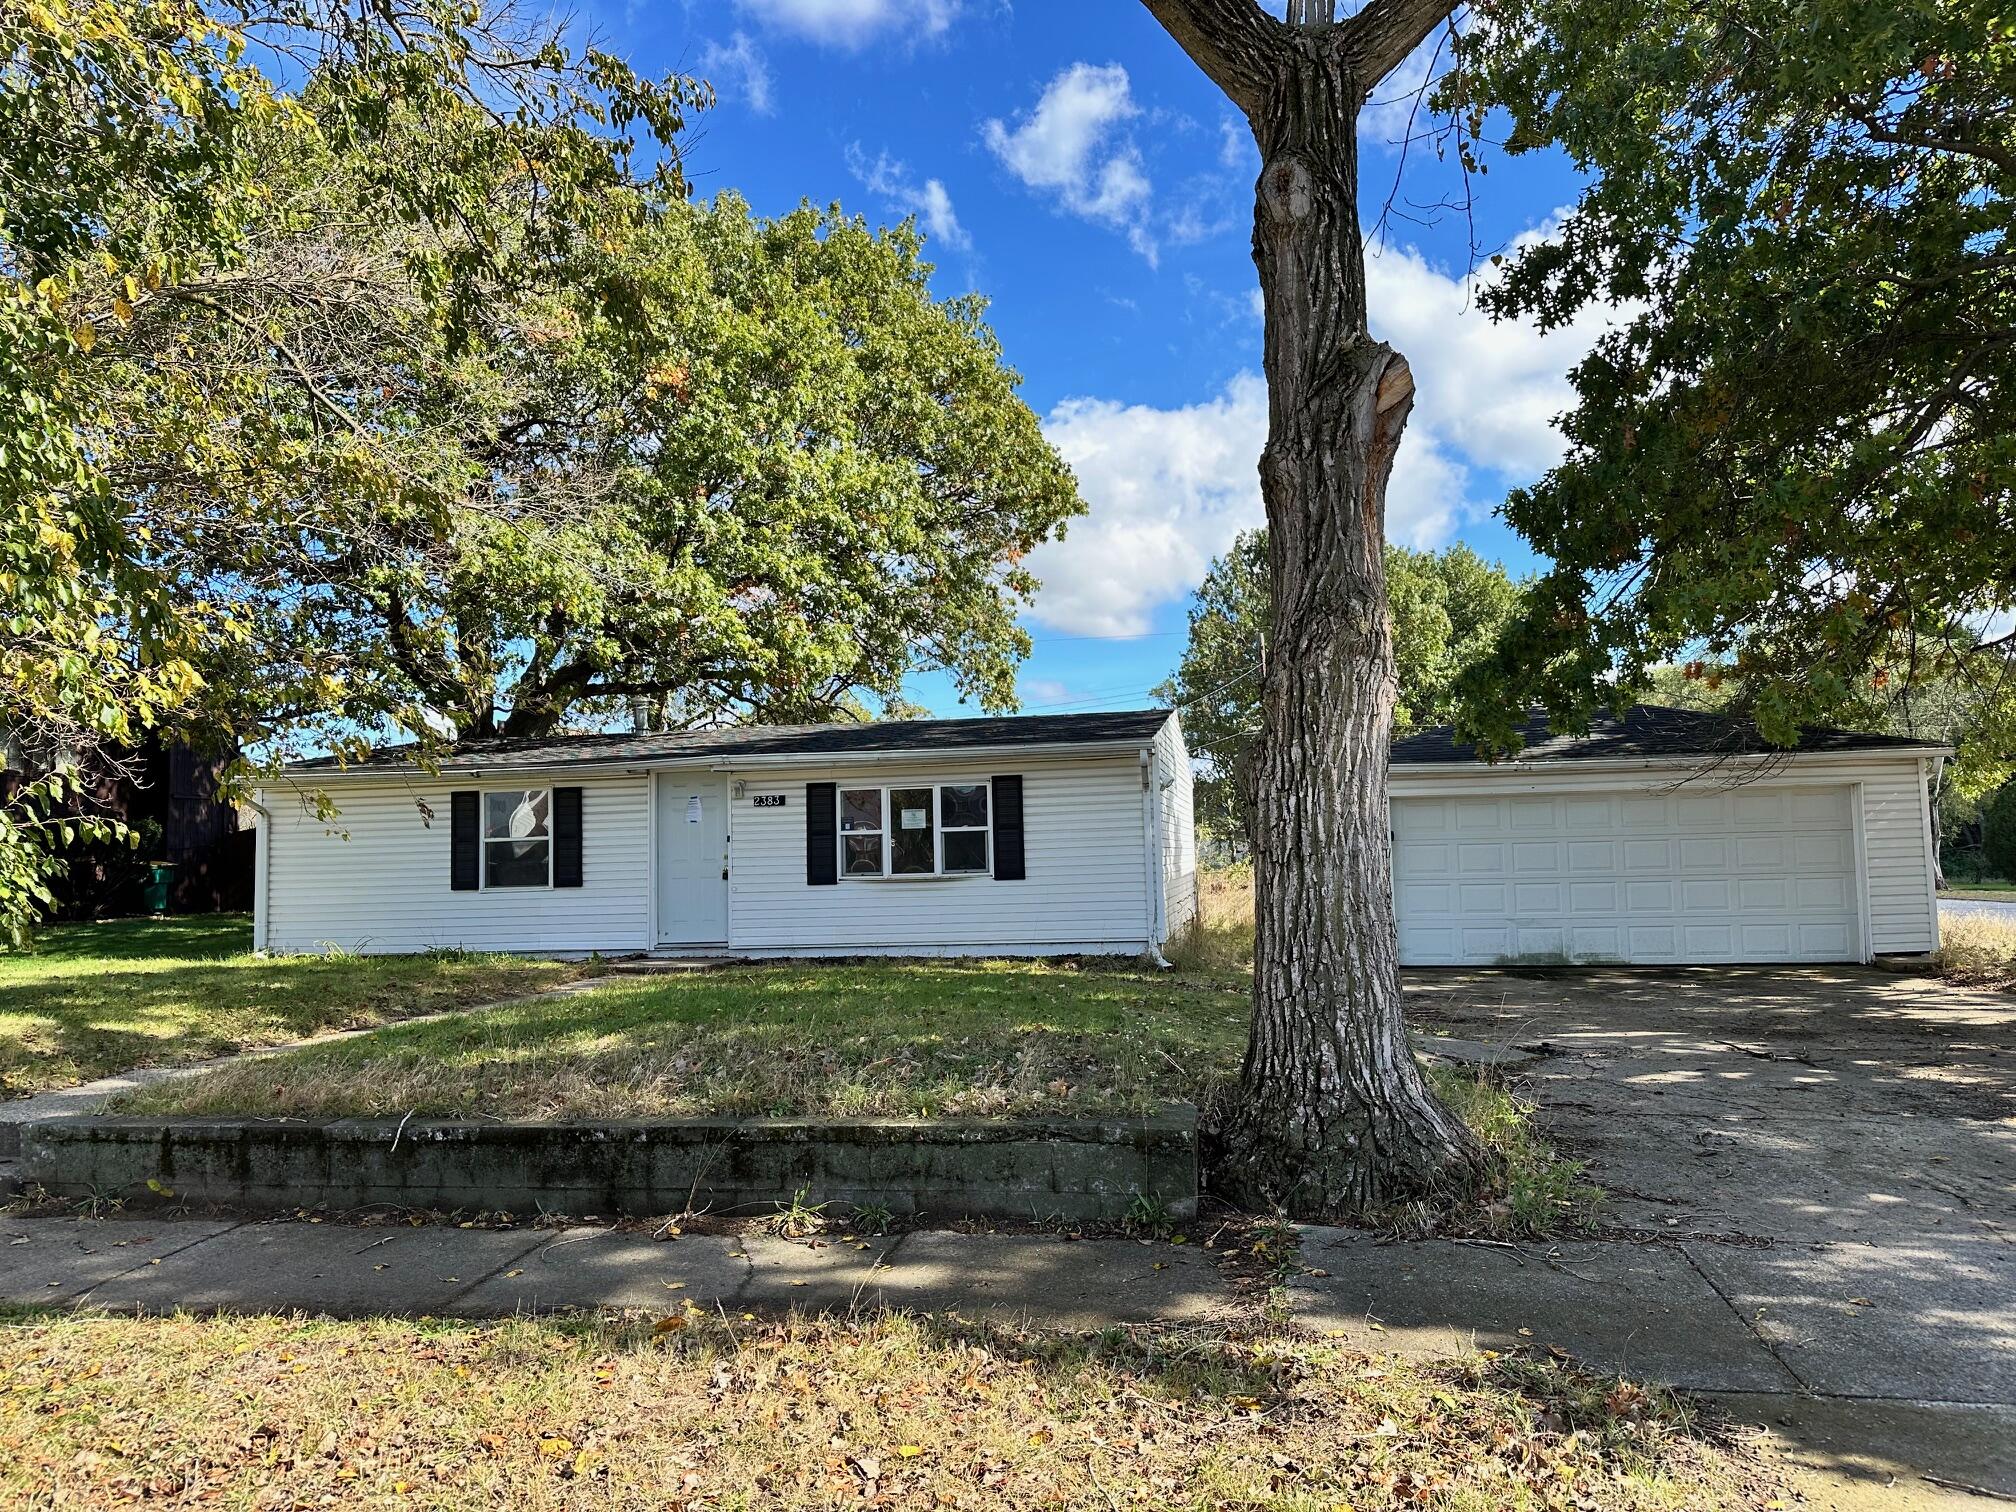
[1749,1326]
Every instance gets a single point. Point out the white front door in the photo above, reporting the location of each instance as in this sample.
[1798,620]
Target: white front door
[1749,873]
[692,859]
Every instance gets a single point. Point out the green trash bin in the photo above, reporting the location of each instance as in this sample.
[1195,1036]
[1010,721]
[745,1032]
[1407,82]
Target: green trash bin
[160,884]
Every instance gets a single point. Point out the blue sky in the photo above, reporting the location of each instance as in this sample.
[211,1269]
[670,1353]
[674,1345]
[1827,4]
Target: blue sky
[1067,160]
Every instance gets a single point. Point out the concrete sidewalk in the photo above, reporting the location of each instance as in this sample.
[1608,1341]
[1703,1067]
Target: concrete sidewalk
[1860,1392]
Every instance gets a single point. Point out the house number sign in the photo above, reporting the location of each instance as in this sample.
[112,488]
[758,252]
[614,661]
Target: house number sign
[767,800]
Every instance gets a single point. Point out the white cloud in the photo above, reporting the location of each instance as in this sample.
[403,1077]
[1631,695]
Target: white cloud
[1169,488]
[1075,145]
[738,71]
[928,201]
[853,24]
[1490,389]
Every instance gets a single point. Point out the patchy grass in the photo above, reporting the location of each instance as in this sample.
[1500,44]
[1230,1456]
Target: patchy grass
[888,1411]
[1977,951]
[1539,1192]
[87,1000]
[884,1038]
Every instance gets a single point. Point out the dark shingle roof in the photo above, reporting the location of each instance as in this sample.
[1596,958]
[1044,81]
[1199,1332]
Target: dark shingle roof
[925,736]
[1646,731]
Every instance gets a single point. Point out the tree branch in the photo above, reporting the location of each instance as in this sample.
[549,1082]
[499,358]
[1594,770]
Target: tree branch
[1233,41]
[1379,38]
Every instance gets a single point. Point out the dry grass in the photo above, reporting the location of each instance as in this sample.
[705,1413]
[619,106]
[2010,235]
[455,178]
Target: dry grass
[900,1412]
[1976,950]
[881,1039]
[1219,943]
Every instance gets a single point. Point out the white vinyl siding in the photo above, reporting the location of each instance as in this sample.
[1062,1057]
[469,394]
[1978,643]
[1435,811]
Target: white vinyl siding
[1178,842]
[1902,912]
[1086,886]
[375,877]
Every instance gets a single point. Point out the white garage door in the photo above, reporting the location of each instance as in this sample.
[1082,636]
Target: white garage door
[1750,874]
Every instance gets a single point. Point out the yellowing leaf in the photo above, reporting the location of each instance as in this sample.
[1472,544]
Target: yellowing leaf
[909,1451]
[556,1448]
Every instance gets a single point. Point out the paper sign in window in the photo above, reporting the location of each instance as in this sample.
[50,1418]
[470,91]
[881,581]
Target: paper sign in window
[913,818]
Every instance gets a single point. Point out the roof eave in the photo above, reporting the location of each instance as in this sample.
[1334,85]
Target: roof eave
[716,761]
[1641,763]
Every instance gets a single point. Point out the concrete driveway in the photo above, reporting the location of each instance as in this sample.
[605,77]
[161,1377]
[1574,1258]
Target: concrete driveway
[1813,1176]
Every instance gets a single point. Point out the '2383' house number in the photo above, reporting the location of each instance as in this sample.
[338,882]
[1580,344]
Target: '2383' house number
[767,800]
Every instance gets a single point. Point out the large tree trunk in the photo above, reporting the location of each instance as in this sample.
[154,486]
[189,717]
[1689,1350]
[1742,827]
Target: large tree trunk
[1333,1114]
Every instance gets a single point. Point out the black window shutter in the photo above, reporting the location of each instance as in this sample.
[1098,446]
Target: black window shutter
[822,838]
[567,837]
[1008,862]
[465,844]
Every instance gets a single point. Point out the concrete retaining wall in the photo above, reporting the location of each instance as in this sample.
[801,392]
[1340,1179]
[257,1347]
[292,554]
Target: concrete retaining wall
[1030,1169]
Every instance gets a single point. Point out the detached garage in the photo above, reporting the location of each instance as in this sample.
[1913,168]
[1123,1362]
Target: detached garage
[1664,837]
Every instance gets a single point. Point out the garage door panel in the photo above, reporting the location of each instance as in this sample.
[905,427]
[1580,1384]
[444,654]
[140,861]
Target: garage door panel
[1479,860]
[1424,899]
[1761,874]
[1652,942]
[1763,852]
[1637,813]
[1704,853]
[1586,898]
[1699,895]
[1592,855]
[1648,855]
[1648,897]
[1586,941]
[1586,815]
[1764,894]
[1763,942]
[1702,812]
[1419,858]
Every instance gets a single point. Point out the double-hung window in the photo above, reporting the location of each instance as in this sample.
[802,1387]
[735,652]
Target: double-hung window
[518,838]
[924,831]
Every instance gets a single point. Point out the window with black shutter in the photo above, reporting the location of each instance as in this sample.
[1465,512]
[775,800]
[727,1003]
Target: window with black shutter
[1009,865]
[822,835]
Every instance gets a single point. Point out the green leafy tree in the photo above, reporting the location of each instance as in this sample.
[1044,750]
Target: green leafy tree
[1998,832]
[719,466]
[1794,455]
[1446,608]
[135,140]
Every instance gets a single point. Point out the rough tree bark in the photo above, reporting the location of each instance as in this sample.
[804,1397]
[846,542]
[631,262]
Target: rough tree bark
[1333,1114]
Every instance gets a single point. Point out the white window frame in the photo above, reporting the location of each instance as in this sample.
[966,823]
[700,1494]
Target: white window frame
[887,832]
[483,839]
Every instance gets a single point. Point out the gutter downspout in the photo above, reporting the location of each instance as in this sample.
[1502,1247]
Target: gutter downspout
[1151,858]
[262,861]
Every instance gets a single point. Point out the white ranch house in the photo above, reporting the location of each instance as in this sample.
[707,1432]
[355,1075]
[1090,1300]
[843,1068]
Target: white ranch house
[1058,835]
[1662,838]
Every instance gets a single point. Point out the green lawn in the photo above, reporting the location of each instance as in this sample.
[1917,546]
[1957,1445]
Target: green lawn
[87,1000]
[942,1038]
[1984,889]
